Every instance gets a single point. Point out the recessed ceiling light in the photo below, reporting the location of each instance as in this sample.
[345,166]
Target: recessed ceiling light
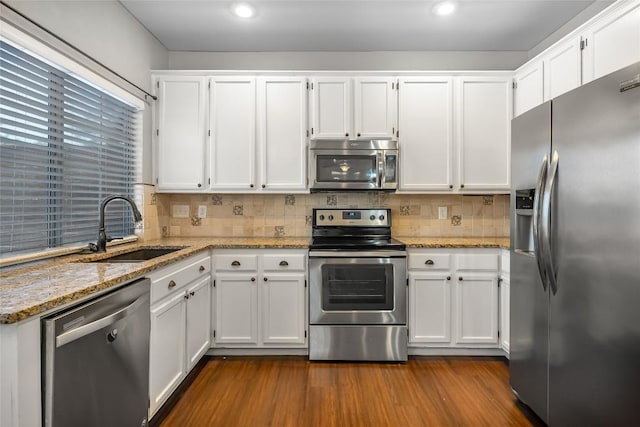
[243,10]
[444,8]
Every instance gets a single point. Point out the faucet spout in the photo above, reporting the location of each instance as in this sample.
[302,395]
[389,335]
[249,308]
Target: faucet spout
[102,235]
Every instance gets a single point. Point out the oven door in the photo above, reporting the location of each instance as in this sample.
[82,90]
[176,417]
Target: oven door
[345,169]
[354,289]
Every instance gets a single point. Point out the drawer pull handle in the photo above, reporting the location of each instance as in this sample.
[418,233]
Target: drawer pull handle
[192,293]
[253,279]
[265,279]
[429,262]
[460,279]
[171,284]
[186,296]
[236,263]
[201,269]
[283,263]
[448,277]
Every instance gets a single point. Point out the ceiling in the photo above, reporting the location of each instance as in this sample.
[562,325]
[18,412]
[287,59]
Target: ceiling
[353,25]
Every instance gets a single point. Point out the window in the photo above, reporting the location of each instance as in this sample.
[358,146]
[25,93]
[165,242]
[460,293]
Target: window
[64,146]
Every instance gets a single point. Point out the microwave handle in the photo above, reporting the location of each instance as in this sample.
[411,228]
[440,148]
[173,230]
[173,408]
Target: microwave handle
[381,177]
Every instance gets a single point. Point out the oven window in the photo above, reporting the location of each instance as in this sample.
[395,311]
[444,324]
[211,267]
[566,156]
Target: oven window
[346,169]
[357,287]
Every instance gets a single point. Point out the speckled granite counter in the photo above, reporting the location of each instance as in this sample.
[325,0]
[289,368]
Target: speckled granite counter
[39,287]
[455,242]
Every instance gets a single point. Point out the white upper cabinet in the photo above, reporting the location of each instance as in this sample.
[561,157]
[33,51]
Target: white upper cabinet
[612,43]
[484,132]
[528,87]
[233,117]
[562,70]
[425,115]
[282,127]
[359,108]
[181,133]
[331,107]
[375,107]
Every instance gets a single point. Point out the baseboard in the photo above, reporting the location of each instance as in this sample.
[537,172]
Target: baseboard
[257,352]
[441,351]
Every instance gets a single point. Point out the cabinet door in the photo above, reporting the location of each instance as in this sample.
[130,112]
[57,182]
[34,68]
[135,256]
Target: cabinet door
[562,68]
[181,133]
[166,349]
[375,107]
[484,132]
[282,112]
[529,85]
[504,313]
[476,309]
[612,42]
[331,104]
[426,133]
[198,321]
[232,151]
[430,307]
[283,309]
[236,301]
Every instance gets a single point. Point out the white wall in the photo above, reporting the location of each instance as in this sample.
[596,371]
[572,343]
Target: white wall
[106,31]
[432,60]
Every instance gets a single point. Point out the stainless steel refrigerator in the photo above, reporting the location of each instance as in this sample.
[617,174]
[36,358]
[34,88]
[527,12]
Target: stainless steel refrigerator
[575,255]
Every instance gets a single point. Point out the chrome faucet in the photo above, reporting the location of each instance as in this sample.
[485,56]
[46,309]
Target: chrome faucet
[101,245]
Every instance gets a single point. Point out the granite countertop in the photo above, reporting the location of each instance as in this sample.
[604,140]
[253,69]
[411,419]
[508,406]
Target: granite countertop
[39,287]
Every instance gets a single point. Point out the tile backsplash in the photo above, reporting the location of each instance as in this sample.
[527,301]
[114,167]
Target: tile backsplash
[276,215]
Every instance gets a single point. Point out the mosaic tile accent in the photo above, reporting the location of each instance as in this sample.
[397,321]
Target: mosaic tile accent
[154,199]
[278,231]
[196,221]
[456,220]
[216,199]
[290,200]
[238,210]
[308,220]
[165,231]
[332,200]
[405,210]
[487,200]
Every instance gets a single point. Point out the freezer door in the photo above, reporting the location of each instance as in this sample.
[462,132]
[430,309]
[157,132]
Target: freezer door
[531,141]
[594,370]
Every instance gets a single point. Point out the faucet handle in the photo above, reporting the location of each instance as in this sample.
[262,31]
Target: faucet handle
[92,247]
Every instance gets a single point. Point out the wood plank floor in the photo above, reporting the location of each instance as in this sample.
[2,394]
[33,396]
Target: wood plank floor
[291,391]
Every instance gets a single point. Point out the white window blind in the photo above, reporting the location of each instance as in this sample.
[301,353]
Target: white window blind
[64,146]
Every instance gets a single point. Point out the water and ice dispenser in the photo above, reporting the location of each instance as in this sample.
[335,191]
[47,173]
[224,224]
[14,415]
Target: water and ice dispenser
[523,227]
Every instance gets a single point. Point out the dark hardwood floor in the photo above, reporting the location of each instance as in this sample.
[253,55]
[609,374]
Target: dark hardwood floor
[291,391]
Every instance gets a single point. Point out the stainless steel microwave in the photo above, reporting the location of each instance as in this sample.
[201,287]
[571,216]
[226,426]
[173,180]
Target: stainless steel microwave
[353,165]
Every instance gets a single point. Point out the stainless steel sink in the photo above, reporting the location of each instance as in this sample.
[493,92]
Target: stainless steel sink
[140,255]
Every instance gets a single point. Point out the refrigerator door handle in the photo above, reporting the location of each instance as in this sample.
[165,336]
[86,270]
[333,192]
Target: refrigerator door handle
[546,222]
[537,197]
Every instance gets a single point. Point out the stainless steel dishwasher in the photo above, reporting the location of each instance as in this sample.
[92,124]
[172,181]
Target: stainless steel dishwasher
[96,361]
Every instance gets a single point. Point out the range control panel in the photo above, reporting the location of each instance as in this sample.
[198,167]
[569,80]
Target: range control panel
[352,217]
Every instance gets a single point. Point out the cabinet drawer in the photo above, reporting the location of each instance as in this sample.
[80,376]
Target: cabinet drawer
[286,262]
[429,261]
[178,276]
[229,262]
[478,262]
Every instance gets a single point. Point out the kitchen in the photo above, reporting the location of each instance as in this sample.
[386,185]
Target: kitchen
[447,198]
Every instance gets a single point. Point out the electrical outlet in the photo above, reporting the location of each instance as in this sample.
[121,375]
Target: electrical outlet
[180,211]
[202,211]
[442,212]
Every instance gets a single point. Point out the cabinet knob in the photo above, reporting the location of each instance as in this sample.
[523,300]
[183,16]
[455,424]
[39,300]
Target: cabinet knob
[192,293]
[171,285]
[358,133]
[448,277]
[450,185]
[201,269]
[429,262]
[253,279]
[264,186]
[461,185]
[236,263]
[251,185]
[265,279]
[199,185]
[460,279]
[346,134]
[283,263]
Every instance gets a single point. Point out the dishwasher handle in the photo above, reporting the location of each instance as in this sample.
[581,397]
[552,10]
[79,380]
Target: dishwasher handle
[84,330]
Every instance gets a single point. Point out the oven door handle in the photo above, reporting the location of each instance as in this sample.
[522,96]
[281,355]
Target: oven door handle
[357,254]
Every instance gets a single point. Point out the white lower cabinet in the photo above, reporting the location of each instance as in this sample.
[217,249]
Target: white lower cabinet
[453,298]
[505,313]
[180,324]
[260,298]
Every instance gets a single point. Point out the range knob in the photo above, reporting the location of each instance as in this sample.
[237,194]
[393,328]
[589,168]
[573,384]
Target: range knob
[330,217]
[372,217]
[381,217]
[321,217]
